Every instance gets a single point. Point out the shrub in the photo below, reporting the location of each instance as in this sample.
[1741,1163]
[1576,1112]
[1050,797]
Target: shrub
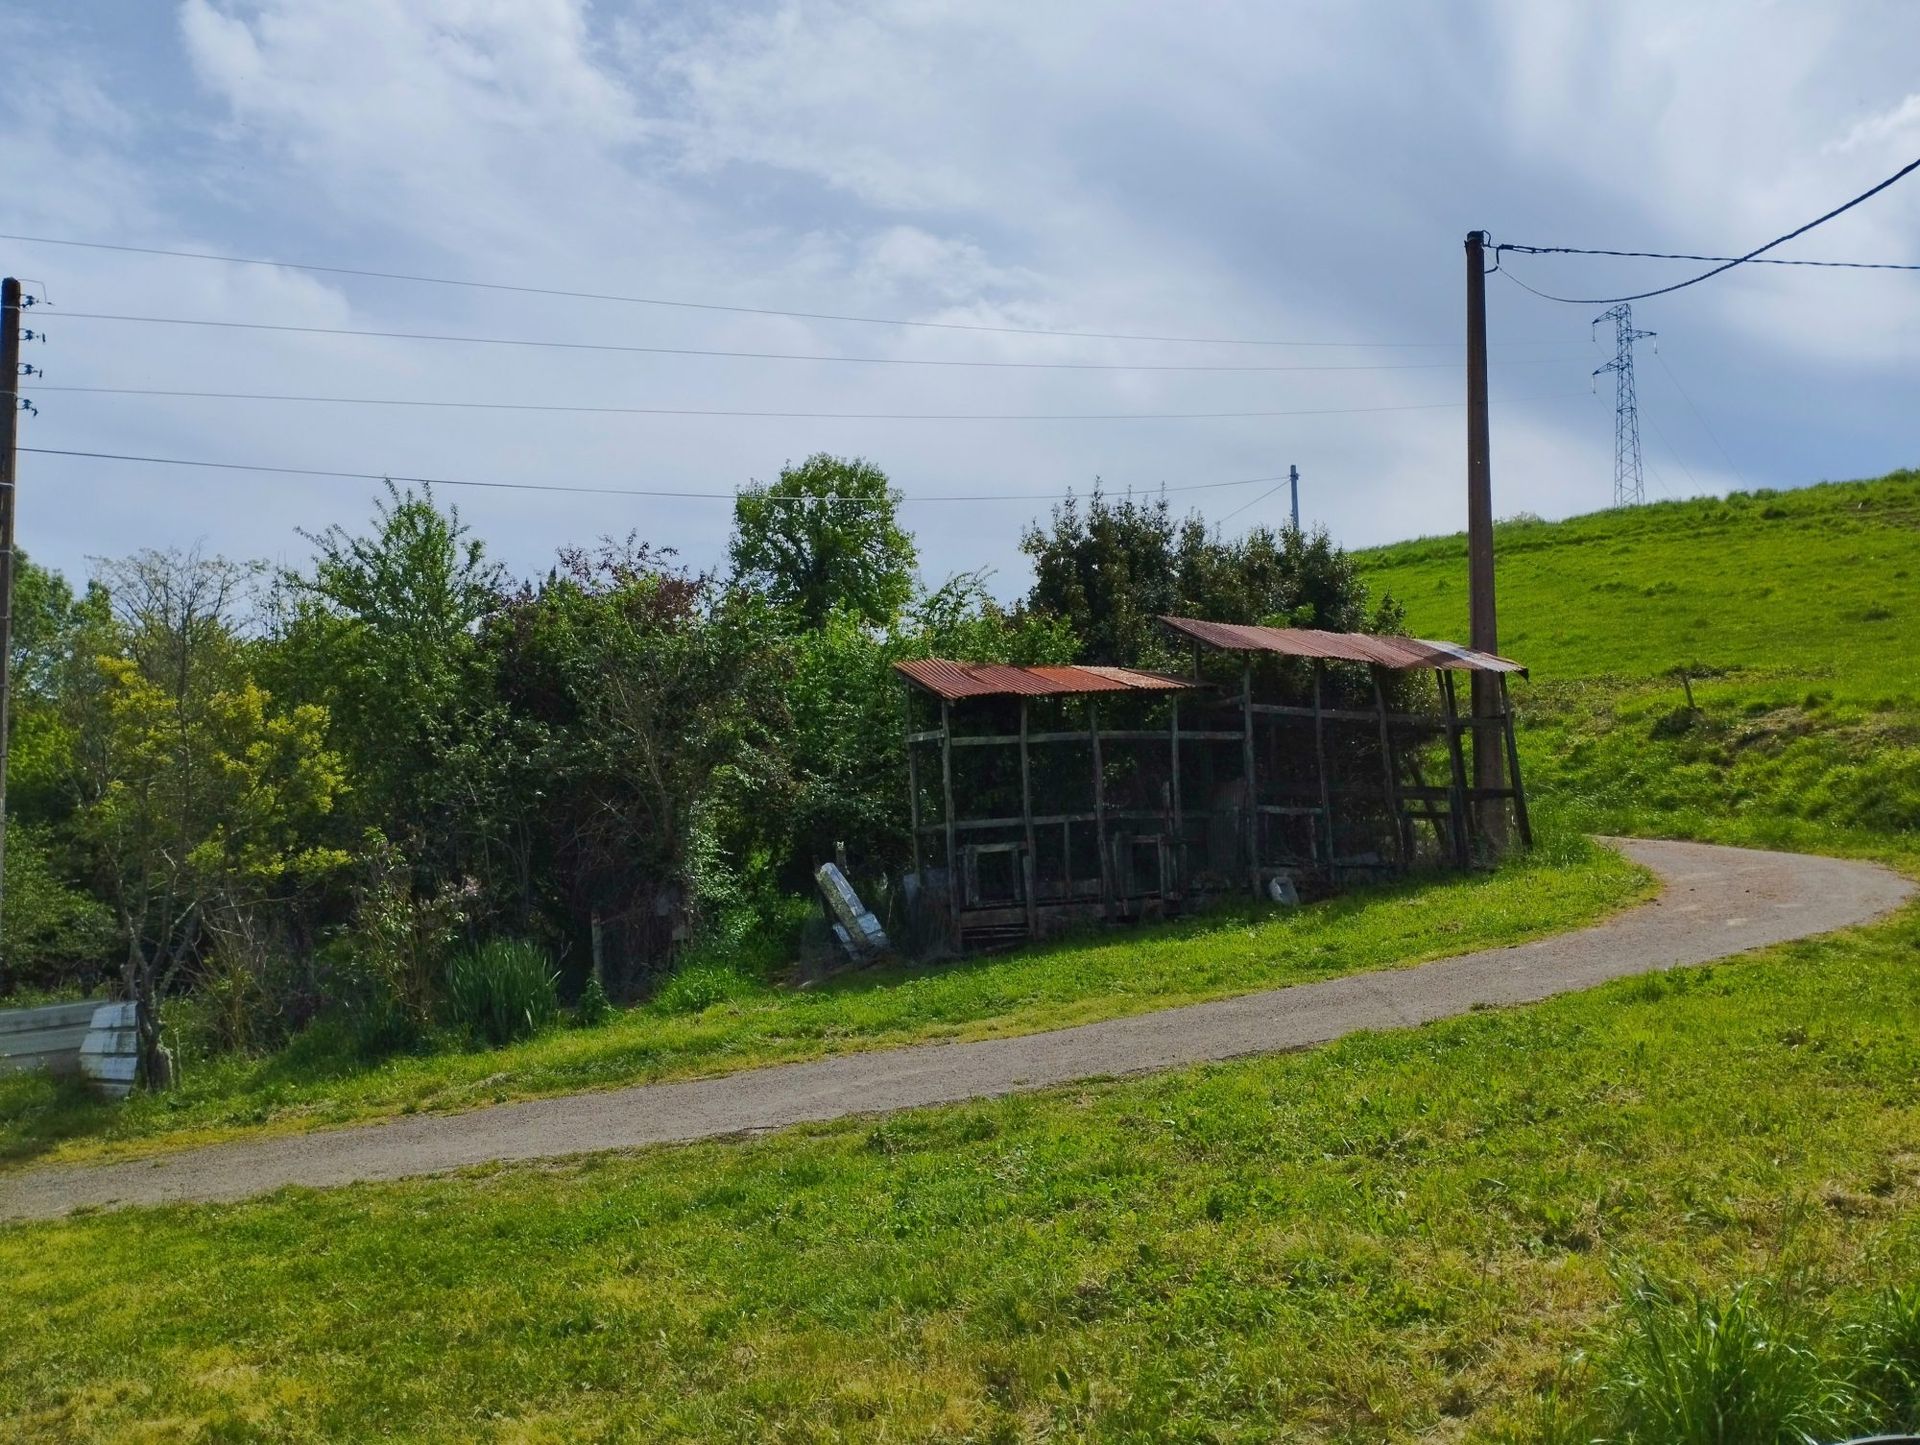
[503,990]
[594,1008]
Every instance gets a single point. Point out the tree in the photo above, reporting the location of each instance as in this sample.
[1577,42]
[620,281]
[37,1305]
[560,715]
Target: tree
[656,698]
[382,631]
[1110,568]
[825,536]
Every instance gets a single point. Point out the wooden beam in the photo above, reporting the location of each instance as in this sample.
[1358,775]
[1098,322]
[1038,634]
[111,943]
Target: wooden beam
[1173,797]
[1246,765]
[1389,774]
[946,788]
[1100,807]
[1457,794]
[1320,759]
[913,793]
[1031,867]
[1513,766]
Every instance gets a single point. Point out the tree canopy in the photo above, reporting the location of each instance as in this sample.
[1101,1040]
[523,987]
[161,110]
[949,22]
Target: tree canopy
[825,536]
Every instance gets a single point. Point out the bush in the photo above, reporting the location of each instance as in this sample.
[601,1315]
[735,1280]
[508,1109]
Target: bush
[503,990]
[594,1008]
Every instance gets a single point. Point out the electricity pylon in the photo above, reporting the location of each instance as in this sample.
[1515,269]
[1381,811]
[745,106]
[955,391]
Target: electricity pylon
[1629,482]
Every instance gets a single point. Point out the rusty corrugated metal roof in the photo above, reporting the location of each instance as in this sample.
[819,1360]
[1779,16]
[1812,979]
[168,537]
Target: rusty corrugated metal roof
[1403,653]
[956,680]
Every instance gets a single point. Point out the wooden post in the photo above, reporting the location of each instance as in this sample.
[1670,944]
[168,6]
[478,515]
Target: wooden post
[1173,796]
[1246,763]
[1513,766]
[1100,809]
[1458,810]
[1320,763]
[1031,875]
[1483,626]
[9,464]
[946,788]
[913,791]
[1389,775]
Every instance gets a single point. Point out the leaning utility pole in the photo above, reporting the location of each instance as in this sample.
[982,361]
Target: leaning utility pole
[9,438]
[1629,485]
[1489,766]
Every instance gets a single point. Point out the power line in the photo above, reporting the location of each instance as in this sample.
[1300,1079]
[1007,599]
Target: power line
[553,291]
[1688,256]
[1729,264]
[591,491]
[572,408]
[1254,503]
[1697,416]
[749,355]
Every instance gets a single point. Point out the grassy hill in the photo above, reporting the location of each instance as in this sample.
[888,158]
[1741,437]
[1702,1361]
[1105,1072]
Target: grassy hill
[1795,616]
[1424,1234]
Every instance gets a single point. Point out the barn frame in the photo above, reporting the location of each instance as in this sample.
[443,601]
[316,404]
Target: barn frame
[1062,795]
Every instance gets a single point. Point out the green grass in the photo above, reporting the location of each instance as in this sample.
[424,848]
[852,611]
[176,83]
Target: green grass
[318,1081]
[1398,1236]
[1413,1235]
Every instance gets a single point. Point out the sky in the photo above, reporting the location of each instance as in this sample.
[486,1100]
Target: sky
[1228,173]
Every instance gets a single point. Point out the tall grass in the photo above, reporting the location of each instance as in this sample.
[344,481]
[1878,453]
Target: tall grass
[1760,1364]
[503,990]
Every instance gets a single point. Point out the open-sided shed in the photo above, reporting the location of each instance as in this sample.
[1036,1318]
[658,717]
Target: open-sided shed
[1337,784]
[1042,796]
[1051,796]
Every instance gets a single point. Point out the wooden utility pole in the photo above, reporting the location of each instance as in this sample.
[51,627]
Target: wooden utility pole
[9,455]
[1489,764]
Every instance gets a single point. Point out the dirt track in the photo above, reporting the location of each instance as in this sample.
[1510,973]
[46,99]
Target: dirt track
[1715,902]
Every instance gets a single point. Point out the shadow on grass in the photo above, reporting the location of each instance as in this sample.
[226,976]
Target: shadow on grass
[39,1111]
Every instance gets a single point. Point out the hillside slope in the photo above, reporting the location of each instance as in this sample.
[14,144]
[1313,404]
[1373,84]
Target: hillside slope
[1794,615]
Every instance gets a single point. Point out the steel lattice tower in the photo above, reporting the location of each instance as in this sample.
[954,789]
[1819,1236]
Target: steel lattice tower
[1629,482]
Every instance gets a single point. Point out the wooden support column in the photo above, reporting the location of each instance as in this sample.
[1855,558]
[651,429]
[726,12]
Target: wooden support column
[1173,797]
[1100,809]
[1320,762]
[946,789]
[1458,810]
[1389,775]
[1513,766]
[1246,764]
[913,793]
[1031,873]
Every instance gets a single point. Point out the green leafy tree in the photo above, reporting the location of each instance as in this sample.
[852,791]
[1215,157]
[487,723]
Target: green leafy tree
[382,630]
[825,536]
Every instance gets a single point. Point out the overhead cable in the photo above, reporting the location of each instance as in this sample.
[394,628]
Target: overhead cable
[578,409]
[1727,265]
[756,355]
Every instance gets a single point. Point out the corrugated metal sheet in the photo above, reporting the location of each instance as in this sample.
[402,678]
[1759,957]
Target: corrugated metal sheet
[956,680]
[1403,653]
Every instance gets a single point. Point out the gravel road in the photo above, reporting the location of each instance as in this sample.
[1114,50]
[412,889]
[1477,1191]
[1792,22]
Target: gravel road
[1714,902]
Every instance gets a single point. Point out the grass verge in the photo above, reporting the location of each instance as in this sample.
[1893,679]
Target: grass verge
[1398,1236]
[317,1082]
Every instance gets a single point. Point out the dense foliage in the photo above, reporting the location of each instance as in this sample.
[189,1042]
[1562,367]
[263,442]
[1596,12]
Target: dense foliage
[262,796]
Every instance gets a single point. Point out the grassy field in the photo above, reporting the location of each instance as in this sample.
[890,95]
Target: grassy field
[1416,1235]
[320,1082]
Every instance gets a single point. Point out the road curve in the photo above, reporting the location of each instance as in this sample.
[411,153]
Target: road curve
[1714,902]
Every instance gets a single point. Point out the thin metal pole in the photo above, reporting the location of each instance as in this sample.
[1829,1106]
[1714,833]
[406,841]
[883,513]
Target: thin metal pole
[9,461]
[1293,483]
[1483,627]
[1320,762]
[1031,871]
[1246,764]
